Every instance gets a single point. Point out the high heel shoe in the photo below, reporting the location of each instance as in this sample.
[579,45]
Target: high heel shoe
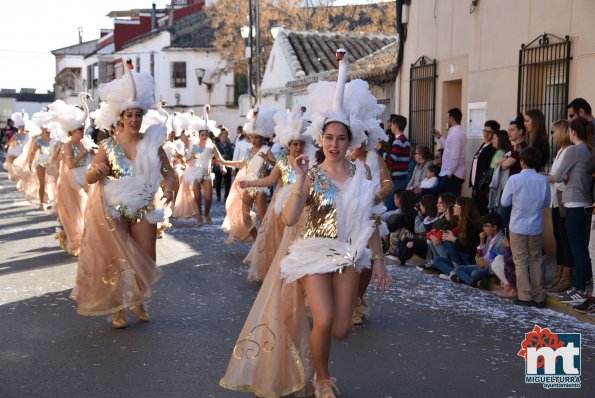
[325,388]
[209,220]
[199,220]
[119,320]
[141,313]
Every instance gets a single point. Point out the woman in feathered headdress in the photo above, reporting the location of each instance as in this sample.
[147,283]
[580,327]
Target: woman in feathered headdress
[121,214]
[40,159]
[326,256]
[76,156]
[239,221]
[198,173]
[16,143]
[289,133]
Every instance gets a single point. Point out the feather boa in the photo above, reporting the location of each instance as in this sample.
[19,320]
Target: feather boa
[374,165]
[136,192]
[355,225]
[254,166]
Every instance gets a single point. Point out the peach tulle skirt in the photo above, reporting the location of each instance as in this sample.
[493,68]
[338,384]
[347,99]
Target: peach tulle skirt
[239,219]
[70,207]
[267,242]
[27,181]
[185,205]
[272,355]
[110,280]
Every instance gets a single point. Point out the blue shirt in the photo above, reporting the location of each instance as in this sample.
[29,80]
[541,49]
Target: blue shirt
[528,193]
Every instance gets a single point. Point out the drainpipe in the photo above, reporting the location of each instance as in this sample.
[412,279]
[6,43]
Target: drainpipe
[154,17]
[402,34]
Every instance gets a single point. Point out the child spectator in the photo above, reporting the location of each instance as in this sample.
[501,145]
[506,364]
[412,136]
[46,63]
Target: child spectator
[490,245]
[503,267]
[529,194]
[426,215]
[431,180]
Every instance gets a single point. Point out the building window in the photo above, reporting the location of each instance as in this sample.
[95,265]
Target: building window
[152,65]
[544,68]
[229,95]
[178,74]
[137,64]
[422,102]
[90,77]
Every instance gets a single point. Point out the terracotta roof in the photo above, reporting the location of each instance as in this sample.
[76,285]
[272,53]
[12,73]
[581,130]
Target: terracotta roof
[315,51]
[377,66]
[78,49]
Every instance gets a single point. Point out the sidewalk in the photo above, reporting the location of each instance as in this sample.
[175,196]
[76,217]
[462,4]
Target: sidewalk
[552,300]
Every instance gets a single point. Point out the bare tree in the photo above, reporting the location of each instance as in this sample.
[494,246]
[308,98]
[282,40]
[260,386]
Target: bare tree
[229,15]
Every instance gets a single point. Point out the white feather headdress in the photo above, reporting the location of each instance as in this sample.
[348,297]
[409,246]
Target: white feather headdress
[289,126]
[68,116]
[261,122]
[133,90]
[349,103]
[180,123]
[19,118]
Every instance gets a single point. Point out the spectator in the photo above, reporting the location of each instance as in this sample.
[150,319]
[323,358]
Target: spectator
[575,197]
[564,269]
[537,135]
[423,159]
[402,224]
[460,246]
[455,146]
[438,157]
[8,132]
[509,165]
[445,215]
[491,244]
[503,267]
[400,154]
[588,307]
[431,180]
[480,165]
[580,107]
[528,193]
[242,143]
[226,149]
[501,144]
[426,215]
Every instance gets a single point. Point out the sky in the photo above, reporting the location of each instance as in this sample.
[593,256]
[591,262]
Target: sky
[33,28]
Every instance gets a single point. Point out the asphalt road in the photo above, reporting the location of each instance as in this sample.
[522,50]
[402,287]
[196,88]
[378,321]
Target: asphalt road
[426,337]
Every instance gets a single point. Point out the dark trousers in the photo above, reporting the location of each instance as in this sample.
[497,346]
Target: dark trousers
[226,179]
[563,253]
[576,230]
[454,184]
[420,248]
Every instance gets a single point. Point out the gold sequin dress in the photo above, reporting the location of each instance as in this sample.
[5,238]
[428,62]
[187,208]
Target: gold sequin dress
[114,272]
[271,228]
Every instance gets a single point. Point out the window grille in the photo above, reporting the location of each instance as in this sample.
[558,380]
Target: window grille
[422,102]
[544,68]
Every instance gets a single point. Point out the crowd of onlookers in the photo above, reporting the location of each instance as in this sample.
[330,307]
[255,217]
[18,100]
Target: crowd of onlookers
[498,231]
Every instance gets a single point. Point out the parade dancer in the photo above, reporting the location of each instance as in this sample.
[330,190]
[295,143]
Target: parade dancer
[271,357]
[39,160]
[290,133]
[240,221]
[116,266]
[71,196]
[16,143]
[198,173]
[383,188]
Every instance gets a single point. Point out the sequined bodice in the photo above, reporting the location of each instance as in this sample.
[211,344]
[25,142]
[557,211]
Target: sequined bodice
[286,169]
[322,204]
[44,147]
[120,165]
[262,172]
[75,153]
[20,139]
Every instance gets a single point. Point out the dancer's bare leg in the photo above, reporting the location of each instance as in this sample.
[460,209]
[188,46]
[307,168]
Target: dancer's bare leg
[41,177]
[343,287]
[207,188]
[318,288]
[261,205]
[198,199]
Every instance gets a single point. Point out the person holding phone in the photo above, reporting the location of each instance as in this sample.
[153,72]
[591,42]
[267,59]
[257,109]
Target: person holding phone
[455,146]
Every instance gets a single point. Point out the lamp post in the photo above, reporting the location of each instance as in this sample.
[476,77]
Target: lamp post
[246,33]
[200,74]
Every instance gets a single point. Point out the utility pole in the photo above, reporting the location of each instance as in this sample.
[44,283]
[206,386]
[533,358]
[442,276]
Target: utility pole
[257,47]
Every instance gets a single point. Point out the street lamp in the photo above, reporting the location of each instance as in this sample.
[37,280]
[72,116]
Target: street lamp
[247,32]
[200,74]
